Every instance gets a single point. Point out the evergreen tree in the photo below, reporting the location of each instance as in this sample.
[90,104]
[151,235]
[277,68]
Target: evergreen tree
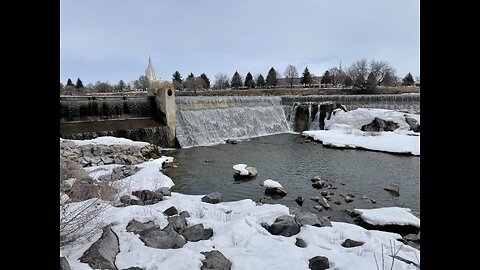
[408,80]
[260,81]
[177,77]
[79,83]
[69,82]
[190,82]
[306,77]
[272,77]
[206,80]
[326,78]
[249,82]
[236,80]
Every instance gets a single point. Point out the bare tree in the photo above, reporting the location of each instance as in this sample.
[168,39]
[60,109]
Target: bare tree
[190,82]
[358,71]
[200,83]
[221,80]
[142,83]
[102,87]
[290,74]
[121,85]
[380,70]
[377,72]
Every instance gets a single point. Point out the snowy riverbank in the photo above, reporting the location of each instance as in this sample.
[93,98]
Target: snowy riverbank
[237,233]
[343,130]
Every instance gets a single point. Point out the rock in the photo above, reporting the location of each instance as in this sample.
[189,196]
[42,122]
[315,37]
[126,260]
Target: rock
[164,191]
[324,193]
[364,197]
[194,233]
[348,243]
[64,265]
[184,214]
[231,141]
[213,198]
[265,225]
[299,200]
[215,260]
[323,202]
[147,196]
[265,199]
[319,208]
[136,202]
[394,188]
[102,253]
[137,226]
[373,201]
[331,193]
[328,198]
[337,202]
[315,199]
[300,243]
[413,124]
[280,191]
[351,195]
[133,268]
[284,225]
[316,178]
[171,211]
[350,212]
[378,125]
[318,263]
[162,239]
[348,199]
[177,223]
[125,199]
[319,184]
[307,218]
[324,222]
[252,171]
[207,233]
[412,237]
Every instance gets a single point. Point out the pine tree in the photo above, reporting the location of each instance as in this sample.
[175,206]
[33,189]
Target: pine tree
[206,79]
[177,77]
[249,82]
[79,84]
[306,77]
[236,80]
[272,77]
[408,80]
[260,81]
[69,82]
[326,78]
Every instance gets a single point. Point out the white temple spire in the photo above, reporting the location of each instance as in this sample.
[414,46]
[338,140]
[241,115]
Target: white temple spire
[150,71]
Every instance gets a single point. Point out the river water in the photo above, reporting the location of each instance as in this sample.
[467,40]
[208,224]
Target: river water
[288,159]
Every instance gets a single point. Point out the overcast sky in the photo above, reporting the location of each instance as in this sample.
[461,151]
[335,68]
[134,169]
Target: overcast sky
[110,40]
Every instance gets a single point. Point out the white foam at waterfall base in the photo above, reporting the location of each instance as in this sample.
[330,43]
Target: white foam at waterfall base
[213,126]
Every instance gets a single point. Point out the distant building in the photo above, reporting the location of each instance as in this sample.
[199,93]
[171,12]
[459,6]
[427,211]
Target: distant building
[150,71]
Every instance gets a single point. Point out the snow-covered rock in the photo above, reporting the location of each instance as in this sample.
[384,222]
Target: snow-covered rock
[389,216]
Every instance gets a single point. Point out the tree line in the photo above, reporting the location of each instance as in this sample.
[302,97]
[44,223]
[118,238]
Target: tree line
[362,75]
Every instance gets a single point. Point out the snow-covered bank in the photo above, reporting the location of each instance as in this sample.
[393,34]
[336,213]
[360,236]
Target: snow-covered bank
[237,233]
[343,131]
[107,140]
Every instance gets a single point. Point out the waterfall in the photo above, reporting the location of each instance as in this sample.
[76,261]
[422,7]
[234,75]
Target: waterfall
[308,112]
[212,120]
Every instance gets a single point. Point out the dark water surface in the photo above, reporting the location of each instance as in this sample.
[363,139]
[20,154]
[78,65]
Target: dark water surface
[286,158]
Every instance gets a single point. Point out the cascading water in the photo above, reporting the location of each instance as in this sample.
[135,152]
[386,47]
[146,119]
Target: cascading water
[211,120]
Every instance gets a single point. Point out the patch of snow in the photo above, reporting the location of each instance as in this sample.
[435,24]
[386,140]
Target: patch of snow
[96,171]
[241,168]
[271,183]
[389,216]
[107,140]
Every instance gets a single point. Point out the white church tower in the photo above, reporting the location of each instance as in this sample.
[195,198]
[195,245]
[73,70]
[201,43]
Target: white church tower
[150,71]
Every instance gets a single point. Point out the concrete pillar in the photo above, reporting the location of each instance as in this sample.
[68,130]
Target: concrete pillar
[165,100]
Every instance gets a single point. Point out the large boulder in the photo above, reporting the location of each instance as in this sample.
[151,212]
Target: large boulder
[215,260]
[196,233]
[177,223]
[171,211]
[213,198]
[284,225]
[162,239]
[378,125]
[318,263]
[137,226]
[413,124]
[102,253]
[244,171]
[147,196]
[307,218]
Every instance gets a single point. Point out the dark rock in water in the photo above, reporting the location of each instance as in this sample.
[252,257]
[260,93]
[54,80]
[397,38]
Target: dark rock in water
[133,268]
[162,239]
[348,243]
[324,193]
[351,195]
[331,193]
[378,125]
[280,191]
[147,196]
[324,222]
[316,178]
[300,243]
[171,211]
[177,223]
[319,208]
[284,225]
[252,171]
[319,184]
[307,218]
[212,198]
[102,253]
[164,191]
[315,199]
[215,260]
[194,233]
[323,202]
[137,226]
[184,214]
[328,198]
[393,188]
[337,202]
[400,229]
[373,201]
[413,124]
[232,141]
[265,199]
[207,233]
[348,199]
[350,212]
[318,263]
[299,200]
[64,265]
